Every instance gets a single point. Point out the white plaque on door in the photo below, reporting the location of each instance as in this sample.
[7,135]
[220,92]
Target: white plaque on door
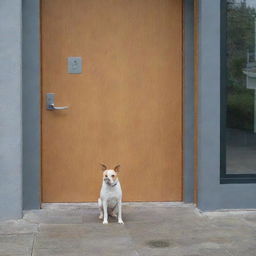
[74,65]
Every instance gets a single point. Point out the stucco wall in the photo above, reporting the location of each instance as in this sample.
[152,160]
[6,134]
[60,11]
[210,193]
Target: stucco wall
[10,110]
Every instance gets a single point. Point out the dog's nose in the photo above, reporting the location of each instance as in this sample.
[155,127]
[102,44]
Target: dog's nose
[106,179]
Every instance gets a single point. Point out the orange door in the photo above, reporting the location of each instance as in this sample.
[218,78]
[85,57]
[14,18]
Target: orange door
[125,107]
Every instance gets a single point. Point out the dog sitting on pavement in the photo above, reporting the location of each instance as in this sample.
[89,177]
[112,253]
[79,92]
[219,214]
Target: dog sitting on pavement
[110,201]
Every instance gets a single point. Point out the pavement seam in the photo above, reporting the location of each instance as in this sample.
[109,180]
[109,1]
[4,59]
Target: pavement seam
[33,243]
[15,234]
[247,223]
[29,221]
[227,250]
[224,246]
[131,240]
[136,252]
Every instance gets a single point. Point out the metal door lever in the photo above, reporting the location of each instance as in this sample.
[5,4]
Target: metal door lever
[50,102]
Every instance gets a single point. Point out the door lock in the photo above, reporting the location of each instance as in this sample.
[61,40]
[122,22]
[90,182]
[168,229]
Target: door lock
[50,102]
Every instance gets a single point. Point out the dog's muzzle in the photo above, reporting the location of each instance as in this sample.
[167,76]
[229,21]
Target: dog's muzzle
[107,180]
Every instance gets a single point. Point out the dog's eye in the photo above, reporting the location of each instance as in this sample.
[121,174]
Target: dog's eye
[106,176]
[113,176]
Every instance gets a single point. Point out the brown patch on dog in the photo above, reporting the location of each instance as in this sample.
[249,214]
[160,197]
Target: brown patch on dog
[104,167]
[116,169]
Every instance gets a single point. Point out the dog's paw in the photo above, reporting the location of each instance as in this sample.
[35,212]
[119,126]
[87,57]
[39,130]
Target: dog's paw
[105,222]
[101,217]
[120,222]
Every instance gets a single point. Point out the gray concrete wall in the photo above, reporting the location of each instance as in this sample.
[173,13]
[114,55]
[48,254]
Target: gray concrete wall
[10,110]
[188,108]
[31,103]
[211,194]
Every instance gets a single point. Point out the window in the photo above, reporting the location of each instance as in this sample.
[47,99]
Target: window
[238,91]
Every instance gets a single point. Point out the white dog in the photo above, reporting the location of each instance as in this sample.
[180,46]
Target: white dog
[110,201]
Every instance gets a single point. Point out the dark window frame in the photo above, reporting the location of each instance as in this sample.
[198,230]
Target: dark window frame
[224,177]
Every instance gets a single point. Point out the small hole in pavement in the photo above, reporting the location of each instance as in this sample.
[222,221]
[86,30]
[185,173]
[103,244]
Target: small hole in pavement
[158,243]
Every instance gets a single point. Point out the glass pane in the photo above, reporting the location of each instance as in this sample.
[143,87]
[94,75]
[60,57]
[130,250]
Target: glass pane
[241,87]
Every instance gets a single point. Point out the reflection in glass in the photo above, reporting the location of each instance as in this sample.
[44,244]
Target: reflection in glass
[241,87]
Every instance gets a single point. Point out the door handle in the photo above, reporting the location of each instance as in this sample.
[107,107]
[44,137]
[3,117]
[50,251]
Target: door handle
[50,102]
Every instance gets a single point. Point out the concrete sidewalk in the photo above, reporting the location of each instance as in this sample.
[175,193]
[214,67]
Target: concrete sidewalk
[151,229]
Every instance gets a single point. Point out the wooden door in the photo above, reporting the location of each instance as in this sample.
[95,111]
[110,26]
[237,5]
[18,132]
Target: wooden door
[124,108]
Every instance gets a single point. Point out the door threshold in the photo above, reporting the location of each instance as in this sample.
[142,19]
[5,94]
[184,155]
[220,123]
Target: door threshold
[132,204]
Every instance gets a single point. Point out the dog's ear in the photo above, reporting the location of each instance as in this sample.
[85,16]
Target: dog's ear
[104,167]
[116,169]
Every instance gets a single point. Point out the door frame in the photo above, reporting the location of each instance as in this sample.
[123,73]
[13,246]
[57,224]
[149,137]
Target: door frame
[31,106]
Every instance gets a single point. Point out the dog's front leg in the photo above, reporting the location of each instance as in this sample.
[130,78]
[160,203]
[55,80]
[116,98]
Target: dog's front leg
[105,211]
[120,221]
